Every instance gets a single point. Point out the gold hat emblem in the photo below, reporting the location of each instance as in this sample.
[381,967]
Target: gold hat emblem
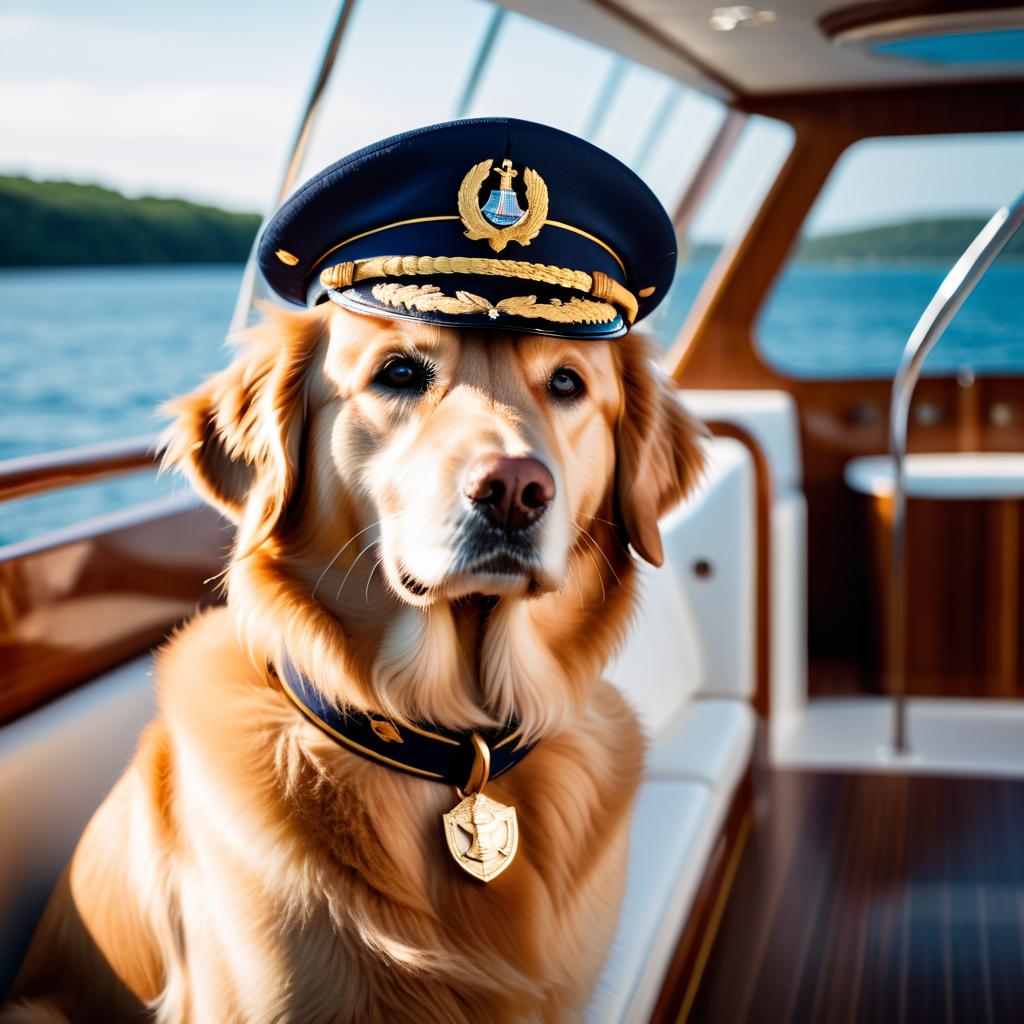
[502,220]
[483,836]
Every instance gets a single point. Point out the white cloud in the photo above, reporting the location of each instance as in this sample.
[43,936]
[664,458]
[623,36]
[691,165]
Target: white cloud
[19,26]
[222,143]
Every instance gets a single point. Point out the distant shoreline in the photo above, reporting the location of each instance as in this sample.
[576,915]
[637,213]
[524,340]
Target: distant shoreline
[63,224]
[50,224]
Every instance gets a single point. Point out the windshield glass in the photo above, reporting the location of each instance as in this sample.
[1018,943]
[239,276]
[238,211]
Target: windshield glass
[893,218]
[154,107]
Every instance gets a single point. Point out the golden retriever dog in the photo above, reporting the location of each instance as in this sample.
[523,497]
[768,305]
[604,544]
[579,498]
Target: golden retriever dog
[434,524]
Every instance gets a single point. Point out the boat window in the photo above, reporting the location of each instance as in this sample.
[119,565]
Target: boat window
[894,216]
[723,217]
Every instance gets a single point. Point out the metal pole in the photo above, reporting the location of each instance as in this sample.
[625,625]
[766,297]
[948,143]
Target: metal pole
[958,284]
[483,55]
[247,288]
[656,130]
[721,148]
[603,102]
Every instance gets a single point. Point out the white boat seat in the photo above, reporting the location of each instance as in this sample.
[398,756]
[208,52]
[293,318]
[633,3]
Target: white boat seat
[688,670]
[694,766]
[717,527]
[710,741]
[769,416]
[673,832]
[661,666]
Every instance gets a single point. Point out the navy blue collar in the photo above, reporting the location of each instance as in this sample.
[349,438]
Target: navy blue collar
[446,755]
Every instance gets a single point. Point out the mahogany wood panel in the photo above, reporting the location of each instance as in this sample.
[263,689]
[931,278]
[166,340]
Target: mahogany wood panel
[875,899]
[106,594]
[963,597]
[840,419]
[880,12]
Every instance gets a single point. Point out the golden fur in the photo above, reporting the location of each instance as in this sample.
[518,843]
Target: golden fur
[245,867]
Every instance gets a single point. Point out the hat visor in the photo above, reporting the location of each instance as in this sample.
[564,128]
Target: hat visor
[485,303]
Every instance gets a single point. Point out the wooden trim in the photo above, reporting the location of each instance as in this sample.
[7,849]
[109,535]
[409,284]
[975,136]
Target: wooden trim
[882,12]
[943,108]
[715,340]
[108,591]
[1005,567]
[762,586]
[682,980]
[37,474]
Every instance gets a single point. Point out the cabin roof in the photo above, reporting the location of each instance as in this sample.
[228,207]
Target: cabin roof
[809,46]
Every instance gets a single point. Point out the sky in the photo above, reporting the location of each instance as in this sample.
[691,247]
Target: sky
[201,99]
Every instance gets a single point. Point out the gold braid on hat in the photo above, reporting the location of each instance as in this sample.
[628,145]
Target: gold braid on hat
[599,287]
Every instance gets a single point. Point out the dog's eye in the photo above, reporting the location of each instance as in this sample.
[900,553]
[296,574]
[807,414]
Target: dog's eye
[403,373]
[565,383]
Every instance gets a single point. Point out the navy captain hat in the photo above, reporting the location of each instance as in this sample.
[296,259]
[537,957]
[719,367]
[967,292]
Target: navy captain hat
[482,223]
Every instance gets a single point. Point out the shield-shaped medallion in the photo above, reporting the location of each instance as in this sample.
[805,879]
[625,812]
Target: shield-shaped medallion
[482,835]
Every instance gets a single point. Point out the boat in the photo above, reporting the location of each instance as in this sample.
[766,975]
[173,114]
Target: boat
[830,663]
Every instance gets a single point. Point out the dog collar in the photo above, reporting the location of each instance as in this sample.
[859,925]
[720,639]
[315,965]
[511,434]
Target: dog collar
[482,834]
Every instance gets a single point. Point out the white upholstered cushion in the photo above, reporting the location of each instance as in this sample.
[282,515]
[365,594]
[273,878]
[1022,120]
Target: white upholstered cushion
[769,416]
[673,831]
[718,526]
[710,741]
[661,665]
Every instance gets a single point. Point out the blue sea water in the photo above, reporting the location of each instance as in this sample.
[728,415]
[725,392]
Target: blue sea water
[835,322]
[88,354]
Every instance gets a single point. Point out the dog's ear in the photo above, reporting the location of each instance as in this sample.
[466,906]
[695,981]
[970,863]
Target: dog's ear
[238,435]
[658,457]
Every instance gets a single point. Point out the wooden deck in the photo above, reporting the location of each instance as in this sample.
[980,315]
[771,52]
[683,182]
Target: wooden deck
[874,899]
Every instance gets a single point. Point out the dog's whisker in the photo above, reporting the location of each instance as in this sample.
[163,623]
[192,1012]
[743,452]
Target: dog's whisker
[217,575]
[355,562]
[597,565]
[597,568]
[589,537]
[376,566]
[576,580]
[616,528]
[607,522]
[341,550]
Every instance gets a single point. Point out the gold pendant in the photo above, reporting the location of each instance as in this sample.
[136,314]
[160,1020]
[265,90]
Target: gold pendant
[483,836]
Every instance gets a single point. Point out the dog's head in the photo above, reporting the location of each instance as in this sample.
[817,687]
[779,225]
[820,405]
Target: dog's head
[449,463]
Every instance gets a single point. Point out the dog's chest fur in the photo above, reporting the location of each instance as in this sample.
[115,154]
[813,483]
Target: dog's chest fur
[331,873]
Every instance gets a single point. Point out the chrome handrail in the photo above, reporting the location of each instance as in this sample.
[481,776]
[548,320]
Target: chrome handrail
[51,471]
[958,284]
[247,289]
[722,146]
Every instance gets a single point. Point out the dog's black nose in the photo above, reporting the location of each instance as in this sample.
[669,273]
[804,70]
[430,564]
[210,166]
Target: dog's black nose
[511,492]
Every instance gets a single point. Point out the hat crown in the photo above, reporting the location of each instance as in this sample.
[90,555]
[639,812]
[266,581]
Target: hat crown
[542,230]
